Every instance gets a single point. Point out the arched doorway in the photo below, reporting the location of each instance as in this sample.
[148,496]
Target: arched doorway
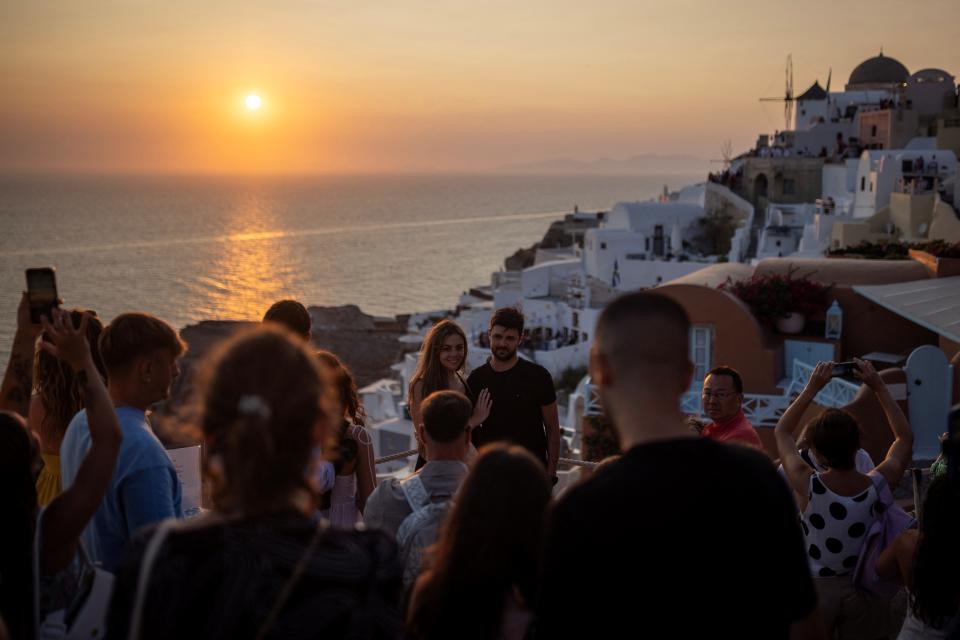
[760,186]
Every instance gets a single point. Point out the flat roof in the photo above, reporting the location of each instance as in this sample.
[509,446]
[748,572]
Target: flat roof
[933,304]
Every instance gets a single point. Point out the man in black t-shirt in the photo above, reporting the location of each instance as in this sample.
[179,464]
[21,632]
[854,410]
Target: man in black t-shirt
[524,402]
[682,537]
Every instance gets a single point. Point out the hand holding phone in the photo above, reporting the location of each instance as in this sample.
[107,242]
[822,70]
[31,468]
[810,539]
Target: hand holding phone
[42,293]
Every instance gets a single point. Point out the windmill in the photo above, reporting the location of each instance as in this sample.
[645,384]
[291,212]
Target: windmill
[787,98]
[726,153]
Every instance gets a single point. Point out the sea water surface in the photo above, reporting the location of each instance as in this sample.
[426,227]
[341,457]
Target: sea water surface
[194,248]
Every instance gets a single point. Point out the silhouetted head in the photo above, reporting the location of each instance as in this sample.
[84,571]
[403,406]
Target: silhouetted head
[292,315]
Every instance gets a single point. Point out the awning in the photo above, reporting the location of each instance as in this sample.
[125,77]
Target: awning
[933,304]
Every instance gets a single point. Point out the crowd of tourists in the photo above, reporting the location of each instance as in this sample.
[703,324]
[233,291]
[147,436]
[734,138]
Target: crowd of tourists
[691,532]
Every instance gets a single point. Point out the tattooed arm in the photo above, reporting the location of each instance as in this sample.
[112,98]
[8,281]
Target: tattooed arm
[18,378]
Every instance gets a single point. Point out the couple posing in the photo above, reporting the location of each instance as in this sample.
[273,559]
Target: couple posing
[513,399]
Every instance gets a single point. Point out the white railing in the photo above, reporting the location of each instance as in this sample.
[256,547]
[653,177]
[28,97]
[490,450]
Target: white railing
[838,392]
[591,399]
[759,409]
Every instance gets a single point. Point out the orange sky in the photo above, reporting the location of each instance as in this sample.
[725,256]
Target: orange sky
[137,86]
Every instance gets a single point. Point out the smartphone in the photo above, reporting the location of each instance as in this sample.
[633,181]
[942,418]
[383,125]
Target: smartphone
[844,370]
[41,292]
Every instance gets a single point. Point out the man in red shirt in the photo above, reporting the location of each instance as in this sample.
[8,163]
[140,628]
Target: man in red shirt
[722,399]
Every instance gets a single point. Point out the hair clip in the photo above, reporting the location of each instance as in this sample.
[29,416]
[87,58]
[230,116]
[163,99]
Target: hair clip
[254,405]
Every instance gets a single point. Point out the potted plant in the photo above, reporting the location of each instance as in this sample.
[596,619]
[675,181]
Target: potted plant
[867,250]
[780,300]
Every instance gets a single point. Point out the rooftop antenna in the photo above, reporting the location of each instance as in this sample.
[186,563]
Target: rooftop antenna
[829,75]
[787,98]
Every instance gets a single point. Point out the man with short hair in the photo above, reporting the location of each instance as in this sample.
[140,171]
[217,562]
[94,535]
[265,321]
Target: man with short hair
[140,355]
[446,443]
[722,397]
[524,401]
[704,536]
[292,315]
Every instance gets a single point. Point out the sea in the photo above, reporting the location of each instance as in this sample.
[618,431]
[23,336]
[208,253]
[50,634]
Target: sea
[190,248]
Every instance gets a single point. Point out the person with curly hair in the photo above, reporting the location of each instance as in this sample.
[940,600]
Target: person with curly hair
[57,397]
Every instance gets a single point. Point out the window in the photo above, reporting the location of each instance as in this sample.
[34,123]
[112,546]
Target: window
[647,244]
[701,351]
[863,183]
[789,186]
[603,245]
[871,186]
[576,319]
[873,130]
[636,256]
[658,240]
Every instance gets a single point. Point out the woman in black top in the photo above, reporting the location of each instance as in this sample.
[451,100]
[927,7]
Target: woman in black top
[443,358]
[258,566]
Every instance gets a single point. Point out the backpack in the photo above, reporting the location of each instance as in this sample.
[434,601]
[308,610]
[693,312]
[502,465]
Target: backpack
[420,529]
[86,615]
[890,522]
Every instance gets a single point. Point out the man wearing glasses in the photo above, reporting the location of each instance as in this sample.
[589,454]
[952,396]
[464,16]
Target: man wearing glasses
[722,398]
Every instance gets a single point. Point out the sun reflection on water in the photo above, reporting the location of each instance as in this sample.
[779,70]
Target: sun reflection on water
[248,275]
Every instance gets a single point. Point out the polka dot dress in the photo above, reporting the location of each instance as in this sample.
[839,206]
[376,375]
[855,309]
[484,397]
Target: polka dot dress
[835,527]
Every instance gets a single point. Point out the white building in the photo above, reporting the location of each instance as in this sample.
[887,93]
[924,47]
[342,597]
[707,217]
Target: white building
[920,167]
[642,244]
[784,229]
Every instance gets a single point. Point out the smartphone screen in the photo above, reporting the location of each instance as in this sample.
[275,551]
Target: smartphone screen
[41,292]
[844,369]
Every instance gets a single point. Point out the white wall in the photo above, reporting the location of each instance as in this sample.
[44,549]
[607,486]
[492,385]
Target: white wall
[841,99]
[603,247]
[865,187]
[885,170]
[777,244]
[838,180]
[693,194]
[507,295]
[538,312]
[475,319]
[558,360]
[639,274]
[807,113]
[535,281]
[822,135]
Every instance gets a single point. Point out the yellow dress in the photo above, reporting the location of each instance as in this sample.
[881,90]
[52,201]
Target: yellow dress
[48,483]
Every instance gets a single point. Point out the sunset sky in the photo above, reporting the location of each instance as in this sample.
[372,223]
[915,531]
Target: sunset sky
[363,86]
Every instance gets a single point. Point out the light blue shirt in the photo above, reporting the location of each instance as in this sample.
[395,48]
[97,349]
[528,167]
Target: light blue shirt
[145,488]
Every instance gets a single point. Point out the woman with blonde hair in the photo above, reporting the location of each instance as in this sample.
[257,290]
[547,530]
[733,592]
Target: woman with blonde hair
[57,397]
[443,358]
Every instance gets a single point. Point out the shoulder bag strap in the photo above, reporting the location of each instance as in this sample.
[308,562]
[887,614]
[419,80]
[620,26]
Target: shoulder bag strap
[415,493]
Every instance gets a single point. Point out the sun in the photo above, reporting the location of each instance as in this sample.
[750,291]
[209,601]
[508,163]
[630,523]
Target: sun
[253,102]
